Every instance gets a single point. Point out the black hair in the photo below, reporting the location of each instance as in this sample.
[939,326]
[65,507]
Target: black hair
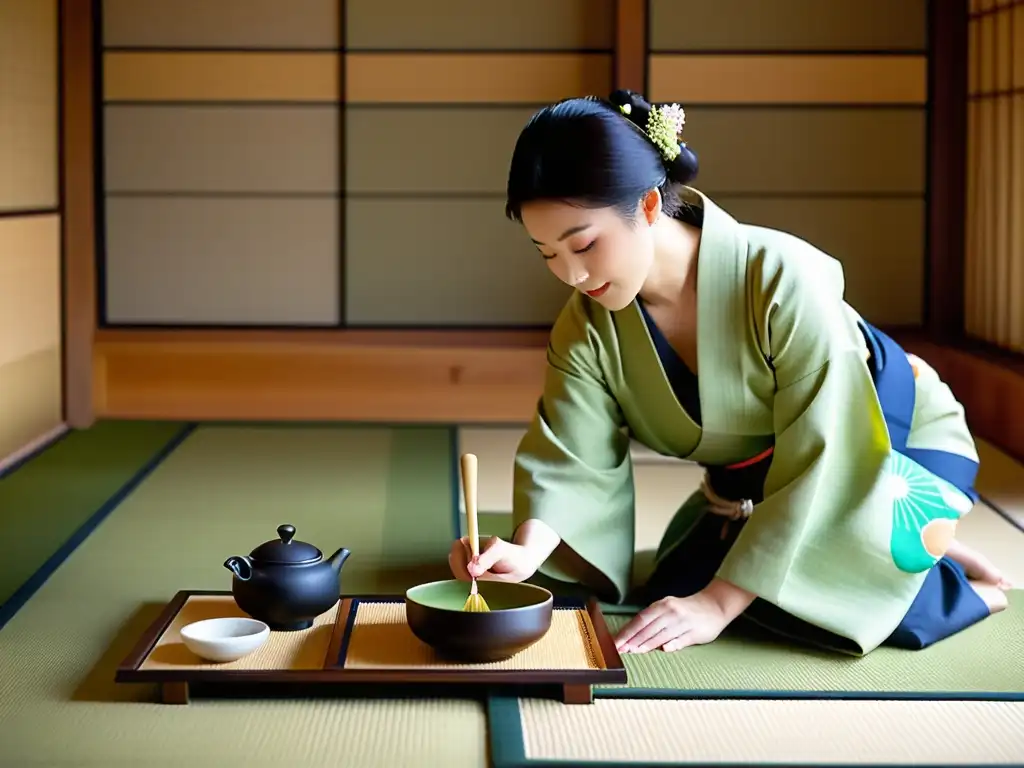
[591,152]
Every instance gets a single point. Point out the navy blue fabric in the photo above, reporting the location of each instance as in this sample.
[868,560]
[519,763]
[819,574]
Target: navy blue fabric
[945,605]
[894,382]
[678,373]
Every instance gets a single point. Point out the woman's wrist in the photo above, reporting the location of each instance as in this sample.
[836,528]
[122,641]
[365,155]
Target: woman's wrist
[732,600]
[538,538]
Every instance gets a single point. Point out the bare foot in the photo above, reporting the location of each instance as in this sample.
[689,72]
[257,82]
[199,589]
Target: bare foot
[977,567]
[994,597]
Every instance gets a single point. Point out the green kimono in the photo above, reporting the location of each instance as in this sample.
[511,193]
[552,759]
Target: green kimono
[783,366]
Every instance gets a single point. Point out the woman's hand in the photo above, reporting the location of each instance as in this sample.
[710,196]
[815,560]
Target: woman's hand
[673,623]
[499,560]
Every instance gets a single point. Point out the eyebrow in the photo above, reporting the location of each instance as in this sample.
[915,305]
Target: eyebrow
[568,233]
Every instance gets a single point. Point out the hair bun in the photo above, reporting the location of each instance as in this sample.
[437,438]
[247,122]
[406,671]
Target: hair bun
[684,168]
[639,109]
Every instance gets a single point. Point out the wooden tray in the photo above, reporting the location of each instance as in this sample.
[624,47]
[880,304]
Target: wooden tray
[365,640]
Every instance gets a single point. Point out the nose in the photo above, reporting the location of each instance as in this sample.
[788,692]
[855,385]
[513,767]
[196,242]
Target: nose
[578,277]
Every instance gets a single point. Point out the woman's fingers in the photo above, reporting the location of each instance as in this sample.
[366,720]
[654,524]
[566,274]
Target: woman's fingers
[628,634]
[458,560]
[671,629]
[685,640]
[490,554]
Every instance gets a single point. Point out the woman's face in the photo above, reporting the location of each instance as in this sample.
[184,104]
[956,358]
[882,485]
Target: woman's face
[596,250]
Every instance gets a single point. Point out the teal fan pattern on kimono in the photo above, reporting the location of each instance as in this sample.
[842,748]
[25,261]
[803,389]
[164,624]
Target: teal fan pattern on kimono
[922,504]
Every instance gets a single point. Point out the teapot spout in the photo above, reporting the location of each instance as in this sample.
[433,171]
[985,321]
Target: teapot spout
[240,566]
[338,559]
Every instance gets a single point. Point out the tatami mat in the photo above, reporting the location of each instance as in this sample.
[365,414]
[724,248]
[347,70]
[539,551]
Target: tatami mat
[662,484]
[379,492]
[985,661]
[720,732]
[47,500]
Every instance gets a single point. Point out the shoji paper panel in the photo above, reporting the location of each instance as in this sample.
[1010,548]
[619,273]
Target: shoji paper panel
[810,117]
[437,94]
[994,279]
[788,25]
[221,162]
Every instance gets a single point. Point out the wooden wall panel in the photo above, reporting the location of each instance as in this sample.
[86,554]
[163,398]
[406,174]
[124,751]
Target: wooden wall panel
[31,369]
[79,206]
[28,105]
[994,261]
[219,76]
[474,78]
[785,79]
[396,377]
[30,332]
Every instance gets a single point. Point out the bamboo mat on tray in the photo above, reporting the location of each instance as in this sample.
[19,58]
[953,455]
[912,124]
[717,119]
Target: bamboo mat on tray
[386,494]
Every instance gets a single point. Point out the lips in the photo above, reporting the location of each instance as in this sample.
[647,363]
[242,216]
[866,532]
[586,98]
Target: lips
[598,291]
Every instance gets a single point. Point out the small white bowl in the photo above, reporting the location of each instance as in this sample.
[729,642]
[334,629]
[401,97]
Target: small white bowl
[227,639]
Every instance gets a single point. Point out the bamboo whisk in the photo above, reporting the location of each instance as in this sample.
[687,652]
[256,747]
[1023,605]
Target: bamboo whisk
[475,603]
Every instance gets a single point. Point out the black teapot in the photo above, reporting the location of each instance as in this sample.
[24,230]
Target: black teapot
[285,583]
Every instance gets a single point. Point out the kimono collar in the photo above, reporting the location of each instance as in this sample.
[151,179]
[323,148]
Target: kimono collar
[722,327]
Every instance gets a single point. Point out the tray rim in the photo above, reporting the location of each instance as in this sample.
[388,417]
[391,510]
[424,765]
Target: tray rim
[330,673]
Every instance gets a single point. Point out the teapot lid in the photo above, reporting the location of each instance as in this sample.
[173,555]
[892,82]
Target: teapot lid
[284,550]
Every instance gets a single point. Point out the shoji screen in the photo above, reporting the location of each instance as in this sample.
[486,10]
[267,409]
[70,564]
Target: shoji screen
[30,287]
[328,162]
[221,162]
[810,116]
[436,94]
[994,290]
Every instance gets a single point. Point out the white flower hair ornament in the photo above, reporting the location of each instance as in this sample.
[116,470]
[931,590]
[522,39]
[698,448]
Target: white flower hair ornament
[664,128]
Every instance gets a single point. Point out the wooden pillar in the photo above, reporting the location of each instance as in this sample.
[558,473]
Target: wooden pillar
[631,45]
[947,169]
[77,174]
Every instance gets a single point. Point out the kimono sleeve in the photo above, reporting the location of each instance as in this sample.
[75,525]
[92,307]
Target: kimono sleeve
[572,468]
[818,545]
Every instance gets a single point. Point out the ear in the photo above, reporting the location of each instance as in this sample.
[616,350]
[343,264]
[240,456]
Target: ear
[650,206]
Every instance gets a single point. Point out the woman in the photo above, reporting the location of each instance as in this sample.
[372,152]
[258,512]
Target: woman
[836,465]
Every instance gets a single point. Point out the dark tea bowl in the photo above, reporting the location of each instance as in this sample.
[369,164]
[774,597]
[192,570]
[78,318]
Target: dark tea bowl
[519,616]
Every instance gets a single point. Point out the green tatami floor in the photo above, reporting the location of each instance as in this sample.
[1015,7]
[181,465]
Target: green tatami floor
[47,499]
[103,528]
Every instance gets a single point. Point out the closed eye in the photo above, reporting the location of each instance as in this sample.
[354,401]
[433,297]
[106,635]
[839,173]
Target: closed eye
[586,248]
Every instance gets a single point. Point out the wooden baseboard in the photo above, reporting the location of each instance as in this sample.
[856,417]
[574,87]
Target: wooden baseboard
[420,377]
[373,376]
